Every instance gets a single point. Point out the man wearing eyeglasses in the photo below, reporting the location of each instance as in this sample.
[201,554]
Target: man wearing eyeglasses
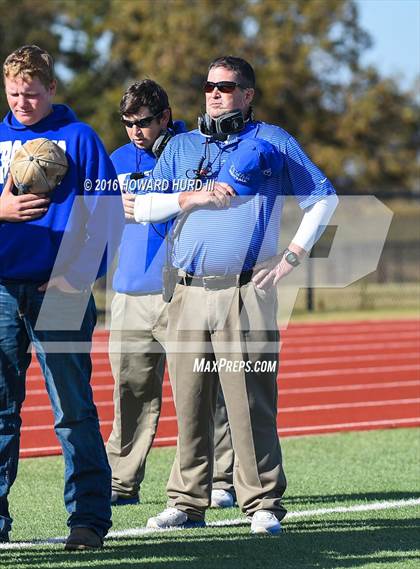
[139,316]
[222,317]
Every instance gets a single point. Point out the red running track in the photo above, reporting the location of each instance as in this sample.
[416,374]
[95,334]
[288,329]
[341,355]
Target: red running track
[333,377]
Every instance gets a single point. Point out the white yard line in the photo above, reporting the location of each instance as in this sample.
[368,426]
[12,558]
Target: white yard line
[137,532]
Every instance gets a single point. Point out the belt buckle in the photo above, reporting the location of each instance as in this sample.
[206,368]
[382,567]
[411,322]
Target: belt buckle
[210,283]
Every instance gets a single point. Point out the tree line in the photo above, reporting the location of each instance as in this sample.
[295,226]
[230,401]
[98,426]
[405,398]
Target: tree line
[360,127]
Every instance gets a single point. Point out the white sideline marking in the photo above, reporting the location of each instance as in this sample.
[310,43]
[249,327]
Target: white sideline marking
[134,532]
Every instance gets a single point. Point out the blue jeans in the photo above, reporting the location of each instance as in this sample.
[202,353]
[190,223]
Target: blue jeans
[87,488]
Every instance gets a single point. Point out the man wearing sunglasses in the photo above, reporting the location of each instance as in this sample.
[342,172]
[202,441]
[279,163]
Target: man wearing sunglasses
[139,315]
[223,310]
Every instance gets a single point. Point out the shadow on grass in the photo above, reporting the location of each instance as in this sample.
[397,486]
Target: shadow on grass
[317,544]
[326,499]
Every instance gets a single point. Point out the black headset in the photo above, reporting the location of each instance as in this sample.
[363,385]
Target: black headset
[220,127]
[161,142]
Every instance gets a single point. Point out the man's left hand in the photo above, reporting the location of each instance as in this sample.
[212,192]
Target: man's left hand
[270,272]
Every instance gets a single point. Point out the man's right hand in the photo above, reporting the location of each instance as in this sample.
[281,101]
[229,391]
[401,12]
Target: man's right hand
[26,207]
[219,197]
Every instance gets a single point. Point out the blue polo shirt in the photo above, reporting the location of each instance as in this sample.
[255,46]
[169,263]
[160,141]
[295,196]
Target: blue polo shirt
[143,248]
[209,241]
[141,254]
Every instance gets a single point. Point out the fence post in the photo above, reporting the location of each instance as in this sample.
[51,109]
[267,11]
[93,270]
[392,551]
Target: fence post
[309,287]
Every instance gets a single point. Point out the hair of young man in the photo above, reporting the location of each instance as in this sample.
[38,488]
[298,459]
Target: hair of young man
[30,61]
[145,93]
[245,74]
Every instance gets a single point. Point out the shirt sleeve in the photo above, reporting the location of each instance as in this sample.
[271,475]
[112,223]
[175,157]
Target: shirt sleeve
[307,182]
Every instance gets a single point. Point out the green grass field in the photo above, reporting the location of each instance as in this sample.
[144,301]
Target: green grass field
[340,470]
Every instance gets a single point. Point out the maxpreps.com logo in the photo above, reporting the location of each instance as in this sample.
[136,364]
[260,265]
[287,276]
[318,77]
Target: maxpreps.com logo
[8,148]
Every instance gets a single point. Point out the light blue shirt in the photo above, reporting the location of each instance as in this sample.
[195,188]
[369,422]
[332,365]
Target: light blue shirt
[210,241]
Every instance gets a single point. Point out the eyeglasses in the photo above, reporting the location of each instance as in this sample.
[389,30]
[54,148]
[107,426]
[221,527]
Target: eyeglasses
[222,86]
[141,123]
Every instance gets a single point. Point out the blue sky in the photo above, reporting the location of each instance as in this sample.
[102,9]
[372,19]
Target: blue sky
[395,29]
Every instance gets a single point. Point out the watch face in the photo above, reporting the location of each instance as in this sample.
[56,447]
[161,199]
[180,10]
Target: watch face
[292,258]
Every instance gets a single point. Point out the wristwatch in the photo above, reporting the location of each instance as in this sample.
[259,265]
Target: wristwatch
[291,257]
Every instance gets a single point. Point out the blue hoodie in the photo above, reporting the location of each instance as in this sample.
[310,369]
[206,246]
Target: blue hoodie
[143,250]
[80,223]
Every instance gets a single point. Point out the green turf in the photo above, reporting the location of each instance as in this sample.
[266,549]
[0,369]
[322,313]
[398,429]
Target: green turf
[333,470]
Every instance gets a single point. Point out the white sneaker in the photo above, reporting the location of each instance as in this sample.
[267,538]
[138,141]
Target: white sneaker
[265,522]
[221,499]
[173,518]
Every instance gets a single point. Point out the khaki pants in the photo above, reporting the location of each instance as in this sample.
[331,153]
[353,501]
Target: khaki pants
[234,325]
[137,357]
[224,457]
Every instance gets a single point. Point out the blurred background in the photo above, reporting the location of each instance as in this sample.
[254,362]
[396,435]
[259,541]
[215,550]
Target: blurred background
[342,76]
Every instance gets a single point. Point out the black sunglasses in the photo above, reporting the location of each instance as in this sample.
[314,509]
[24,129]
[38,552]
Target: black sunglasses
[141,123]
[222,86]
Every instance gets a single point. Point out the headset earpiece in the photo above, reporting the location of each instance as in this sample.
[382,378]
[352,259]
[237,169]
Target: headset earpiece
[220,127]
[161,141]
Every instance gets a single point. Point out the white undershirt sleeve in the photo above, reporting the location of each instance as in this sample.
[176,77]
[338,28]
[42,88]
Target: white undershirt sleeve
[156,207]
[314,221]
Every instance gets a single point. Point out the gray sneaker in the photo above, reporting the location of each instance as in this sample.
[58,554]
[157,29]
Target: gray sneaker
[222,499]
[265,522]
[173,518]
